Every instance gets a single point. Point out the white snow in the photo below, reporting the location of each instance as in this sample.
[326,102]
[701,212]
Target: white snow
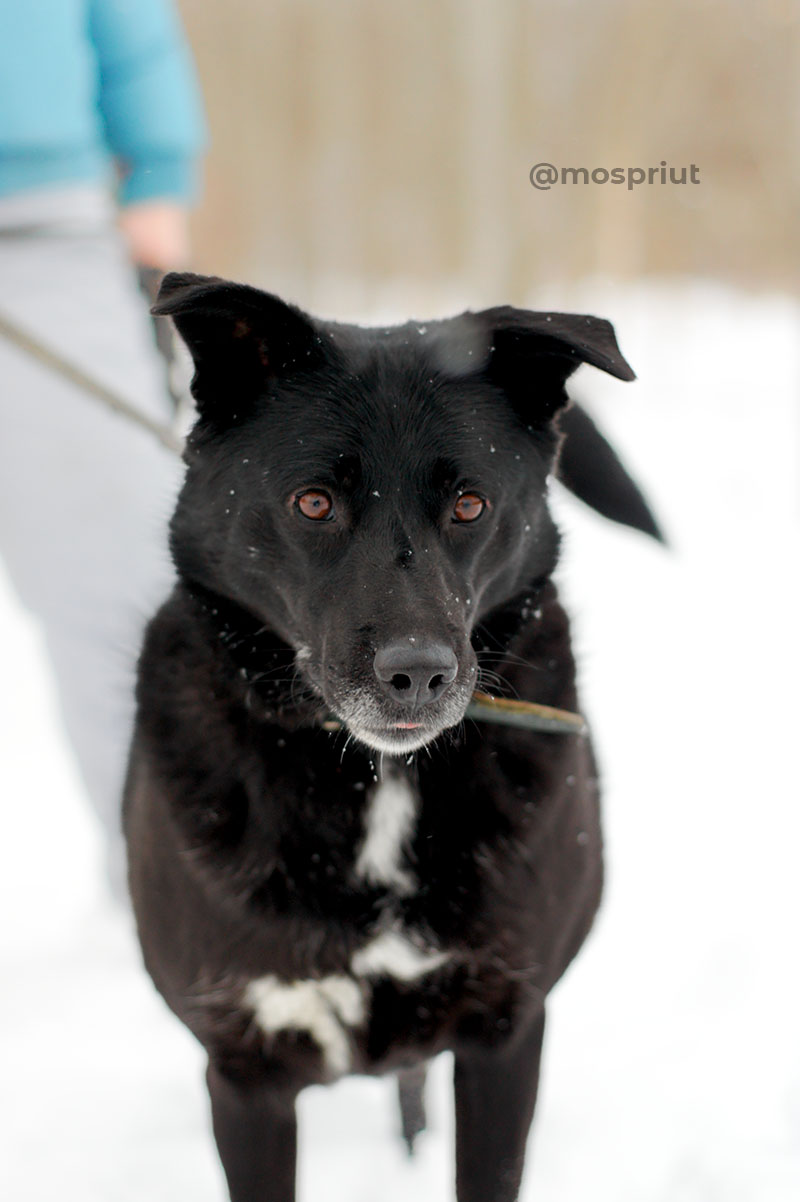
[672,1065]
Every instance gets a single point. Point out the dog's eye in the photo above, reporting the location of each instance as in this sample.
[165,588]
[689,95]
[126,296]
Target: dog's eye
[315,504]
[468,507]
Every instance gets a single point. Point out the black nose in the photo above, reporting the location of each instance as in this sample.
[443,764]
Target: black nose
[415,672]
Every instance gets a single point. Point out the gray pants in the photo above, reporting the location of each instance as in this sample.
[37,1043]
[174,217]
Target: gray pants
[84,494]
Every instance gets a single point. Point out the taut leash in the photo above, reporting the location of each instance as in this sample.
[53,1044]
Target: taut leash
[89,384]
[527,714]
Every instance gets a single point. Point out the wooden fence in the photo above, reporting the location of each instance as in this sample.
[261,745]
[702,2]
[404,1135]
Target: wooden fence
[365,152]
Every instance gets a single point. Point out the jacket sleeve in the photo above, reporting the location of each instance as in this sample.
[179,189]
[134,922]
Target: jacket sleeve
[148,97]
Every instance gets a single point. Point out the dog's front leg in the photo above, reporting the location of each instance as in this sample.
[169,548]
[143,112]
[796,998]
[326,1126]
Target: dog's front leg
[256,1132]
[495,1094]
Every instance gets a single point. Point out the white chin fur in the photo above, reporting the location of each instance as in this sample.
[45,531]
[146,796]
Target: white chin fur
[400,744]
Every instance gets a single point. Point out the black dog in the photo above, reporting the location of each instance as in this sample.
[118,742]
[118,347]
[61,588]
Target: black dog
[363,535]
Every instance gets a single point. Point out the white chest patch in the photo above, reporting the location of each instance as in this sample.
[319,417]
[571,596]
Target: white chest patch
[389,822]
[321,1008]
[326,1009]
[393,955]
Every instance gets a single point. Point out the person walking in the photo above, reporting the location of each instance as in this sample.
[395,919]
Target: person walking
[101,137]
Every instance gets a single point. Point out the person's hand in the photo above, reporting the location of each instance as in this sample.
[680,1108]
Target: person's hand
[157,233]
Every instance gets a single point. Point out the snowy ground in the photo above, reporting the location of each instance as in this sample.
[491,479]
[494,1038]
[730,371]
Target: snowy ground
[672,1069]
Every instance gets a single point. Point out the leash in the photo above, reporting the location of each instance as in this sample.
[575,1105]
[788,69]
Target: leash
[60,366]
[527,715]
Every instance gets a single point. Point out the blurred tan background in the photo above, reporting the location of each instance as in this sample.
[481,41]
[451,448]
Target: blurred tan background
[366,149]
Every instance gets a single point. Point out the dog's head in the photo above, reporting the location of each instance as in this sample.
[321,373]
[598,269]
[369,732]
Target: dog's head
[371,494]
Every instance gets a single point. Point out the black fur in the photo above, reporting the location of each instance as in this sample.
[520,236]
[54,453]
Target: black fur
[245,816]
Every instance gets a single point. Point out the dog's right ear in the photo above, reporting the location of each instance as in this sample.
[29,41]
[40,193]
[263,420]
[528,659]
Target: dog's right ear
[239,338]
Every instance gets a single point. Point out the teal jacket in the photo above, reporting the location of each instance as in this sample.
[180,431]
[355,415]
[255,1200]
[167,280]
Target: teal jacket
[93,90]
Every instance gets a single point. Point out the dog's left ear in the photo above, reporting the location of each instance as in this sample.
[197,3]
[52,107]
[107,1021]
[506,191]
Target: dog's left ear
[531,355]
[239,337]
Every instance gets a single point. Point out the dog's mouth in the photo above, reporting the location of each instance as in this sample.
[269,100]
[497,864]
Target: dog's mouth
[367,721]
[401,738]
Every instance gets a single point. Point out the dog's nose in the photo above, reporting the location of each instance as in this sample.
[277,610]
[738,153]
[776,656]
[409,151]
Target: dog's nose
[415,672]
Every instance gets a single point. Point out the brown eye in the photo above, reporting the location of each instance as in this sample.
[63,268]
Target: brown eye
[468,507]
[315,505]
